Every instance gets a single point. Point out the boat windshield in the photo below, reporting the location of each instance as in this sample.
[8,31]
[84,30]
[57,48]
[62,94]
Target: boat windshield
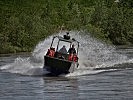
[59,42]
[62,43]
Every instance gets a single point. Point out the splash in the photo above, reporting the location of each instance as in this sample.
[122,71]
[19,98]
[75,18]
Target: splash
[96,57]
[23,66]
[93,54]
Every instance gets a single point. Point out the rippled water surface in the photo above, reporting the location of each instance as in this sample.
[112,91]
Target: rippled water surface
[106,85]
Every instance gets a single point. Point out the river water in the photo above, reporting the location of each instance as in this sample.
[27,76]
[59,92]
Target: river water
[105,73]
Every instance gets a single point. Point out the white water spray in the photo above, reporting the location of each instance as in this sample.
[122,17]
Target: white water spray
[92,54]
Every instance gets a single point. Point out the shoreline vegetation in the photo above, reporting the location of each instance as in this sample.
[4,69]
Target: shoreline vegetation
[23,23]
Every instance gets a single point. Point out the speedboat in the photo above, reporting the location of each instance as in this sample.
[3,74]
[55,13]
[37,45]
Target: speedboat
[57,63]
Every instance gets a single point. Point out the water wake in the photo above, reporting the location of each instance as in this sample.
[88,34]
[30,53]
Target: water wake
[93,55]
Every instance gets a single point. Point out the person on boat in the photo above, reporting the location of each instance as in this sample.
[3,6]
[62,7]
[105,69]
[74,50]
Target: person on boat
[73,57]
[63,50]
[51,52]
[72,50]
[67,36]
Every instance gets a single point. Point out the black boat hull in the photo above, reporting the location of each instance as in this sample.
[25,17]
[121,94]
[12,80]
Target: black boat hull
[59,66]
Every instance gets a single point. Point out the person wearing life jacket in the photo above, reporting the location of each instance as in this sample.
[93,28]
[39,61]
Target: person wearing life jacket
[51,52]
[72,50]
[75,58]
[70,57]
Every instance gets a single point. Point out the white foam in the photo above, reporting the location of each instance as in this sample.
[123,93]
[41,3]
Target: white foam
[84,72]
[22,66]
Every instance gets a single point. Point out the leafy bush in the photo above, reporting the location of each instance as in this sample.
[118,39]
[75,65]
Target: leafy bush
[23,23]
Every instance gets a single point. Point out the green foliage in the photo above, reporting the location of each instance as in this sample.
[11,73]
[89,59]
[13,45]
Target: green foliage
[23,23]
[115,20]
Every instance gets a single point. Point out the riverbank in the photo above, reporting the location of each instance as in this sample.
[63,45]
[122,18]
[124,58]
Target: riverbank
[24,23]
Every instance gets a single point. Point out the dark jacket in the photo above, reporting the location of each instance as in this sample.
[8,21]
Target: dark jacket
[71,50]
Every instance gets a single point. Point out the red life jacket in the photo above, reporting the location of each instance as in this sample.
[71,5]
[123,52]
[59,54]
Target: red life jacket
[51,53]
[70,57]
[75,58]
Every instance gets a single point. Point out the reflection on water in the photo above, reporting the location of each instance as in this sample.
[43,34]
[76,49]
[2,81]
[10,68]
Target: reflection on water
[115,85]
[61,88]
[17,87]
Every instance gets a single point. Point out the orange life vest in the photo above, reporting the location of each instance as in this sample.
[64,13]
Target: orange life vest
[70,57]
[51,52]
[75,58]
